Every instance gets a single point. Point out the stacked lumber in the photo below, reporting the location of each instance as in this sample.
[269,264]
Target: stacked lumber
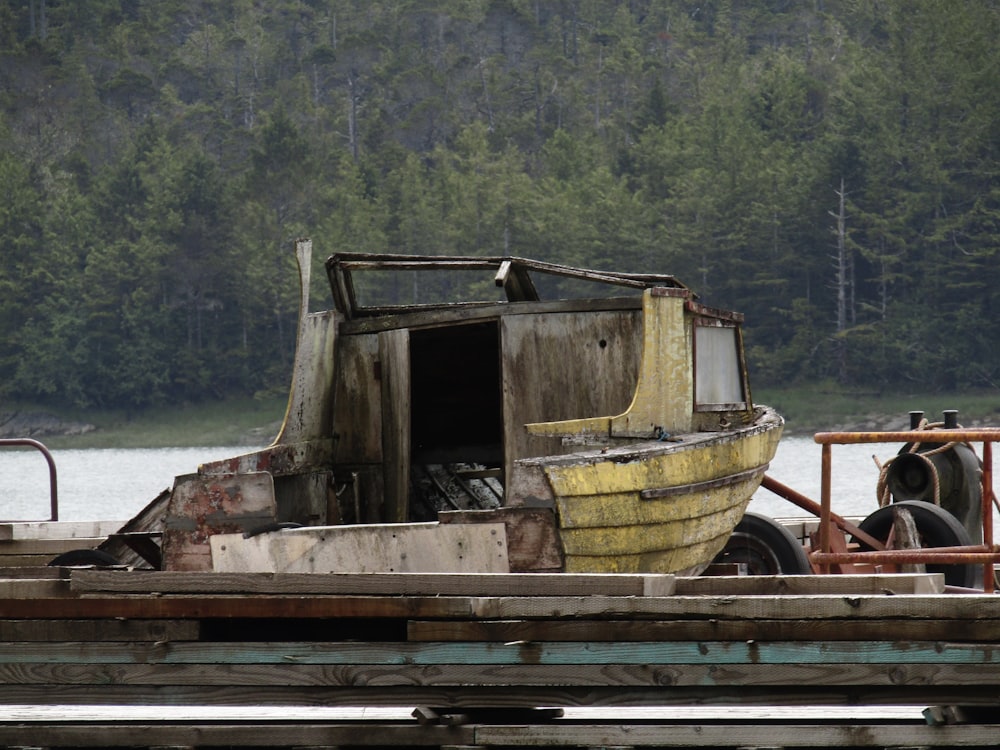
[486,660]
[35,543]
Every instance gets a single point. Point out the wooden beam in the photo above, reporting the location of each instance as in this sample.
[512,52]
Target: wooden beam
[427,584]
[747,608]
[702,630]
[99,630]
[743,735]
[884,659]
[612,696]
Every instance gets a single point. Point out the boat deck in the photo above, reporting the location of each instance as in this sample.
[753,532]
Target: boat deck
[127,658]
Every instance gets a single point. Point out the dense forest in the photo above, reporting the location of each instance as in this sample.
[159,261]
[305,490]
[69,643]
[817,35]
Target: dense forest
[827,167]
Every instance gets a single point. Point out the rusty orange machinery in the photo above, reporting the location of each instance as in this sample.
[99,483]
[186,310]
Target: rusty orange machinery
[915,476]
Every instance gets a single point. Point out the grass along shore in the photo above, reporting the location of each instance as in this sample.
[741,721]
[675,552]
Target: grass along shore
[244,422]
[255,421]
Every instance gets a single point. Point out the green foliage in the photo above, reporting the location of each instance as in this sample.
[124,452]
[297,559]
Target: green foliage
[159,159]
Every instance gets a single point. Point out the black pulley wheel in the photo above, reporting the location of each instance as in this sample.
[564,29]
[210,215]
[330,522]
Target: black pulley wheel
[766,548]
[936,527]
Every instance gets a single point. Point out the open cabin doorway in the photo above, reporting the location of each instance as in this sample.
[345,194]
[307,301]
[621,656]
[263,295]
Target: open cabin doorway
[456,425]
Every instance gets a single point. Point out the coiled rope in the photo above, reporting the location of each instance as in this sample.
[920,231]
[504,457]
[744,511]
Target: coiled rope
[882,492]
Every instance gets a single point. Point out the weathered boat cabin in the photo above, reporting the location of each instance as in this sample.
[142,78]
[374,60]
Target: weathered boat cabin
[432,382]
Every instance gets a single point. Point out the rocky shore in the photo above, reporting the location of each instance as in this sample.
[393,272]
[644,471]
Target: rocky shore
[22,424]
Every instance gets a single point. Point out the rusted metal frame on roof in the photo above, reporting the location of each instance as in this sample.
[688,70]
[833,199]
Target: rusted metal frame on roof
[987,553]
[53,483]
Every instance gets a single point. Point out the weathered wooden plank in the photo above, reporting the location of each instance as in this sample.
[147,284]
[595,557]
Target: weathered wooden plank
[305,734]
[229,734]
[357,406]
[9,562]
[875,655]
[99,630]
[51,547]
[749,608]
[532,538]
[37,588]
[705,629]
[717,681]
[394,356]
[571,373]
[811,585]
[155,606]
[396,547]
[57,529]
[484,311]
[737,735]
[523,696]
[36,571]
[432,584]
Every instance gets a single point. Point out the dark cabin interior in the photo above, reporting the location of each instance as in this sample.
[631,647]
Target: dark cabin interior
[455,391]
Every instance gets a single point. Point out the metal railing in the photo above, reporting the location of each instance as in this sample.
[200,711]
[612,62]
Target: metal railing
[53,484]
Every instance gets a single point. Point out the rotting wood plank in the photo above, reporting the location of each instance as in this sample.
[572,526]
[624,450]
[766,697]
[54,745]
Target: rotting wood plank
[489,654]
[428,584]
[981,630]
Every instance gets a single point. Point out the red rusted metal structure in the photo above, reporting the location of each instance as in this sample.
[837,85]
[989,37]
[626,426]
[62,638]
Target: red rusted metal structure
[985,554]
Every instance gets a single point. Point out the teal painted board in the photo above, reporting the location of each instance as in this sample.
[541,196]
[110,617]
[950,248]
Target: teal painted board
[518,653]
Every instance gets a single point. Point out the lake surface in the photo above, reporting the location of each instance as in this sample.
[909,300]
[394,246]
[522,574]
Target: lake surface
[115,484]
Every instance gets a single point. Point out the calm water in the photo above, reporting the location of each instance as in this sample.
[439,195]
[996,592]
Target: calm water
[105,484]
[115,484]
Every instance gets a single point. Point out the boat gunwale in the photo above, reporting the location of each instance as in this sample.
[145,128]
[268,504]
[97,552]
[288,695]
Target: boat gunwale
[767,420]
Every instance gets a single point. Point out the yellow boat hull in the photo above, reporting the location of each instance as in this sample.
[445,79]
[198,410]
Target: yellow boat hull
[659,507]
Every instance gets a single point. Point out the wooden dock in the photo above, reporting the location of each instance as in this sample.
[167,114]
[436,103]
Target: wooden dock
[133,658]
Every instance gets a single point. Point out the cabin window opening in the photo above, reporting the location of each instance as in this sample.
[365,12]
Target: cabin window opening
[720,382]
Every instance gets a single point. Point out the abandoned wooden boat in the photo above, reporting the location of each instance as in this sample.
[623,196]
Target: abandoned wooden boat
[608,430]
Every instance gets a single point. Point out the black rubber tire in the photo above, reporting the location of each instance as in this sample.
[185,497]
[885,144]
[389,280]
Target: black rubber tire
[766,548]
[937,528]
[84,557]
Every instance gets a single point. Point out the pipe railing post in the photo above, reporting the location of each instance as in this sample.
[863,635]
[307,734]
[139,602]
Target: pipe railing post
[53,484]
